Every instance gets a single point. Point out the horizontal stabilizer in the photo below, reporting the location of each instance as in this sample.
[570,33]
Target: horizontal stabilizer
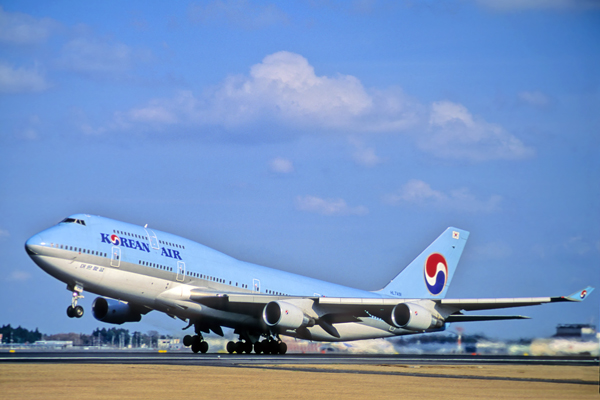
[470,318]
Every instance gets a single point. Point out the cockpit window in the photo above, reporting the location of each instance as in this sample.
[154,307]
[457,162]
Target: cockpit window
[73,221]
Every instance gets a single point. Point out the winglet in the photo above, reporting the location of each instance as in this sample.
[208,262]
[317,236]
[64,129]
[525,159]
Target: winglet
[580,295]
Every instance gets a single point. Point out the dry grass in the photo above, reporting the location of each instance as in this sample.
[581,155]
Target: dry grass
[166,382]
[588,374]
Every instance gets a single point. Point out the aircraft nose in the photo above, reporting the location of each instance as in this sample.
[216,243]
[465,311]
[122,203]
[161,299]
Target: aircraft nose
[32,242]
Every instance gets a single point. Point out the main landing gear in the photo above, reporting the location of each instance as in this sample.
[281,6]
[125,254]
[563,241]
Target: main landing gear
[271,345]
[75,311]
[196,342]
[239,347]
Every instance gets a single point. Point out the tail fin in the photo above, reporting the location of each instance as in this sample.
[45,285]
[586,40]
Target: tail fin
[430,274]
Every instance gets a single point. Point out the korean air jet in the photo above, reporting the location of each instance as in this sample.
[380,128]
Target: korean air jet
[136,270]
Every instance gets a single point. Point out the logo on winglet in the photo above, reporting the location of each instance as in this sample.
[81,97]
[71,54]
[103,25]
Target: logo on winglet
[583,294]
[436,273]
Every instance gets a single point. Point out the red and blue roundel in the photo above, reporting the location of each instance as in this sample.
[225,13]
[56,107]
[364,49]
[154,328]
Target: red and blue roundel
[583,294]
[436,273]
[115,239]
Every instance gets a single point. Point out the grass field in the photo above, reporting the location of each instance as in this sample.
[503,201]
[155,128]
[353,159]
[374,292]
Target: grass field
[166,382]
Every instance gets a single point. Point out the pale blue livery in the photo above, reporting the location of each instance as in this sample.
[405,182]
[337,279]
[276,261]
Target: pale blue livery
[137,269]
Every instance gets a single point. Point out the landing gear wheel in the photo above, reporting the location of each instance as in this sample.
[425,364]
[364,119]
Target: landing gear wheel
[78,312]
[257,348]
[187,340]
[282,348]
[196,341]
[264,347]
[248,347]
[230,347]
[195,347]
[70,312]
[273,347]
[203,347]
[239,347]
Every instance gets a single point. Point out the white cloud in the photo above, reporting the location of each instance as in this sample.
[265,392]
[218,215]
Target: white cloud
[4,234]
[521,5]
[535,98]
[94,56]
[284,89]
[417,192]
[364,155]
[153,114]
[19,80]
[29,134]
[284,92]
[455,133]
[22,29]
[331,207]
[18,276]
[578,245]
[238,13]
[281,165]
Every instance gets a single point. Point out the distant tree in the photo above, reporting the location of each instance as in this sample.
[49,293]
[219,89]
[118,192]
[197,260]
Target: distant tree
[111,336]
[19,335]
[153,335]
[78,339]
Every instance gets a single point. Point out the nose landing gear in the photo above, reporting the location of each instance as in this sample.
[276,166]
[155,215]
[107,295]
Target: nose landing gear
[75,311]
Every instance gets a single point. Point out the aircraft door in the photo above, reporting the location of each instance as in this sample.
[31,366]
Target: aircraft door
[152,238]
[115,259]
[256,286]
[180,271]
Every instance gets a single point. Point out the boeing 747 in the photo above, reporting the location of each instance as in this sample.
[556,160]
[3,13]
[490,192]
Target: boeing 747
[136,270]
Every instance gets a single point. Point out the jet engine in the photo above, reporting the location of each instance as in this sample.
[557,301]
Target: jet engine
[285,315]
[114,312]
[413,317]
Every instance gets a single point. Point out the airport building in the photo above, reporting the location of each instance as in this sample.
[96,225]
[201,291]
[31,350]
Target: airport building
[582,331]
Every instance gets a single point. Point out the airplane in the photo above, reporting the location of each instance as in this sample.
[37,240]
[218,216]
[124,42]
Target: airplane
[135,269]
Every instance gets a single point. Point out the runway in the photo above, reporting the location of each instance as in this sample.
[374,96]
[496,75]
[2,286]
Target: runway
[233,360]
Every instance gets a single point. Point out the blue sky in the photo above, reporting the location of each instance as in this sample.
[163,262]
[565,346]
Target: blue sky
[330,139]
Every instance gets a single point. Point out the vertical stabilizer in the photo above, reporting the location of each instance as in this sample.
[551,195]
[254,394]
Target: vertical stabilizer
[430,274]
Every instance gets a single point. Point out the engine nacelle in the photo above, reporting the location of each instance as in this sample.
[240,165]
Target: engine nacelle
[114,312]
[285,315]
[414,317]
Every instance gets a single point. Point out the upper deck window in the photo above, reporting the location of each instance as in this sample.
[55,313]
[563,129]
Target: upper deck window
[73,221]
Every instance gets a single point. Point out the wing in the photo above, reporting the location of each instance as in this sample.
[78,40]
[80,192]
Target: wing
[489,304]
[286,313]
